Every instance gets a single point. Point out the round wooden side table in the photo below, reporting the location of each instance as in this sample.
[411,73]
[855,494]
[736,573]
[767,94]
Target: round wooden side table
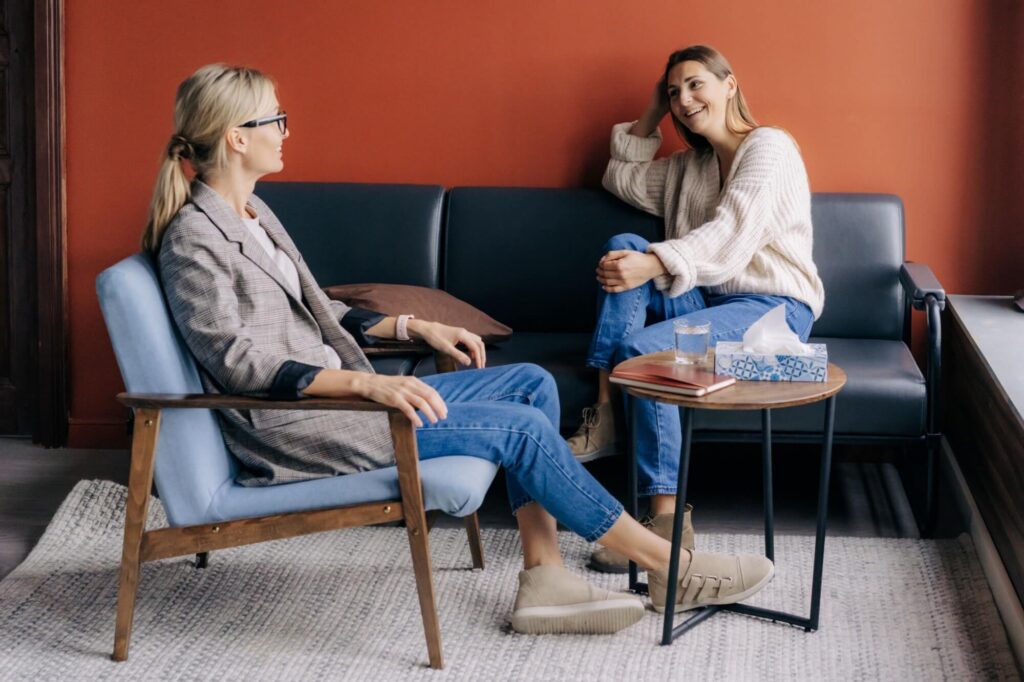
[744,395]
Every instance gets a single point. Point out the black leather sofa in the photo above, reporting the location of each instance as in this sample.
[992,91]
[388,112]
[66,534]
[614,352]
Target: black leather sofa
[527,256]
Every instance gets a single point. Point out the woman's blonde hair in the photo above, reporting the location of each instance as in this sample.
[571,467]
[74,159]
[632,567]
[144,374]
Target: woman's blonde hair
[209,102]
[738,118]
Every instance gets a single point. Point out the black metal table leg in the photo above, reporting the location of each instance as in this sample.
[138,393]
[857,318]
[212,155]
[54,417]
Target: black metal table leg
[823,482]
[769,506]
[809,624]
[634,506]
[667,635]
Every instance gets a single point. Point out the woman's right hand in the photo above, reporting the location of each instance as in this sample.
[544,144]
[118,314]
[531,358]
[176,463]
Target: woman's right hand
[656,110]
[406,393]
[658,105]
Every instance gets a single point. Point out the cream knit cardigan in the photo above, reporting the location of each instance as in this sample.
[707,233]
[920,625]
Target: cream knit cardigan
[752,237]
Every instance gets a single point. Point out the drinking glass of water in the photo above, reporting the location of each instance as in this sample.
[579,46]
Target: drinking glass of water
[692,340]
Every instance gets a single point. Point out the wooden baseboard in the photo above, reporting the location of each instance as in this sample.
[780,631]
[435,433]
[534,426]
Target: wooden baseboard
[98,434]
[1003,592]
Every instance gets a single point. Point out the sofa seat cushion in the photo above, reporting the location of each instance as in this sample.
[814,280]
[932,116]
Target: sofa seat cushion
[455,485]
[562,354]
[884,396]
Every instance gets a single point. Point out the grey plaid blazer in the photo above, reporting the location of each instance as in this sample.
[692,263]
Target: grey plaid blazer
[241,323]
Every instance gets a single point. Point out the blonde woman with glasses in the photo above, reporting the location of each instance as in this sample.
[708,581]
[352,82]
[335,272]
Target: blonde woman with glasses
[250,311]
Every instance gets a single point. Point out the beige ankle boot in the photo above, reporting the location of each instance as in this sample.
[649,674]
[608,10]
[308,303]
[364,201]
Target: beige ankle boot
[596,436]
[711,579]
[553,600]
[604,560]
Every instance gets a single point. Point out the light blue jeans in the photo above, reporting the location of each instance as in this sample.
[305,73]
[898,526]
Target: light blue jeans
[639,321]
[509,415]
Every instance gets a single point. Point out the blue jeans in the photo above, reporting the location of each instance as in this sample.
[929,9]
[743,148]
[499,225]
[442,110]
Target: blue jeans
[639,321]
[509,415]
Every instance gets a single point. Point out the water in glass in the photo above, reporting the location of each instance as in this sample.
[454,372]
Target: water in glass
[692,340]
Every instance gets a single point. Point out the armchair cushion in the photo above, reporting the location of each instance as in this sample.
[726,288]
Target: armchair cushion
[455,485]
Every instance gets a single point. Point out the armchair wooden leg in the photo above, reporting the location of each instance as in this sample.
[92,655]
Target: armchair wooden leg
[407,460]
[476,548]
[140,478]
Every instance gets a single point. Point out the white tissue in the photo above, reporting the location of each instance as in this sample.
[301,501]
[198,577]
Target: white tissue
[771,335]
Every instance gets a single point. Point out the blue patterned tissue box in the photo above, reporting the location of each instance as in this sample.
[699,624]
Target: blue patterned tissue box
[731,359]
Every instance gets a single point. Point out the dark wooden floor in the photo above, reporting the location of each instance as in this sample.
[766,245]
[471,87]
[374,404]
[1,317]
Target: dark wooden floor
[867,496]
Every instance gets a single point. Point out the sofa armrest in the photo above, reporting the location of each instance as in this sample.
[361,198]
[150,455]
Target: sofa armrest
[919,282]
[923,290]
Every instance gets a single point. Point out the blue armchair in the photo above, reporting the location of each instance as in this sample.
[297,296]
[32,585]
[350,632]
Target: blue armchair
[178,445]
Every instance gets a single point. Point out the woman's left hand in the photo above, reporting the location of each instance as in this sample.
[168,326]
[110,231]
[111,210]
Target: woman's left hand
[623,270]
[446,339]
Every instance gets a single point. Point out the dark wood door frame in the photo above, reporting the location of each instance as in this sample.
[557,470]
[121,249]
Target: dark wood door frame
[51,426]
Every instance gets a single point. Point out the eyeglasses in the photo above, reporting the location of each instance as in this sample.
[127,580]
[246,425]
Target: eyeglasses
[280,119]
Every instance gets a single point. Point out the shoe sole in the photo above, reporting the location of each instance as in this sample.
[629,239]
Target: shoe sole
[600,453]
[731,599]
[591,618]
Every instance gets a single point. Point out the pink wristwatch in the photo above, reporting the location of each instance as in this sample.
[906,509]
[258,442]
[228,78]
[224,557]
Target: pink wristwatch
[401,327]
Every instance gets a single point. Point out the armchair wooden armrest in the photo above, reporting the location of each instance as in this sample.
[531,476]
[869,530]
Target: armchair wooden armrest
[214,401]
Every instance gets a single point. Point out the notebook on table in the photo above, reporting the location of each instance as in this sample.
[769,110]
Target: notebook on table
[688,380]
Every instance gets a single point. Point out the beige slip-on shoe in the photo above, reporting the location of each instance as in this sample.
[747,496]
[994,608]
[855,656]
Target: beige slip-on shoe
[595,438]
[711,579]
[604,560]
[553,600]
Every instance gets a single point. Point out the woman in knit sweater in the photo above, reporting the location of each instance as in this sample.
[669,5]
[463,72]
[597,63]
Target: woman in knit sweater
[737,210]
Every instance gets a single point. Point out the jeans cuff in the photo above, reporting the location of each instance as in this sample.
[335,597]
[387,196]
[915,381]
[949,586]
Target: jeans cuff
[657,490]
[520,503]
[597,364]
[606,525]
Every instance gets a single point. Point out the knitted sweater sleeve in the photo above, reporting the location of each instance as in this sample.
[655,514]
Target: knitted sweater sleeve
[632,173]
[721,248]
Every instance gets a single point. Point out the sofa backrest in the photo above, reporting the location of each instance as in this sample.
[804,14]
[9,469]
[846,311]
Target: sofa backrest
[858,248]
[527,256]
[353,233]
[192,462]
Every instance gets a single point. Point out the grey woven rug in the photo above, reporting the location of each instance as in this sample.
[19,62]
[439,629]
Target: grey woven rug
[342,605]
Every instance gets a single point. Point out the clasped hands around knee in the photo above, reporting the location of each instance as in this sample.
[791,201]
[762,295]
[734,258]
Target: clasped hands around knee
[623,270]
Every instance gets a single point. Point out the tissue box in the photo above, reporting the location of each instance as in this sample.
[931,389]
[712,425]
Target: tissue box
[731,359]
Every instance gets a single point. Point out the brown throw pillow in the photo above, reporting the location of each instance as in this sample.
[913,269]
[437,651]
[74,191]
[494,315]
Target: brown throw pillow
[423,302]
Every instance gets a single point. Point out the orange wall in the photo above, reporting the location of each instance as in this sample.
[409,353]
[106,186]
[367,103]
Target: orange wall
[883,97]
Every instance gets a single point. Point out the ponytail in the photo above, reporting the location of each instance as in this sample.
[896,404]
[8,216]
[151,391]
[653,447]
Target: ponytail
[170,193]
[209,102]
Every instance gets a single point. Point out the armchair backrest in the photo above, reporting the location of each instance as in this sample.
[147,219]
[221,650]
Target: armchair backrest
[192,462]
